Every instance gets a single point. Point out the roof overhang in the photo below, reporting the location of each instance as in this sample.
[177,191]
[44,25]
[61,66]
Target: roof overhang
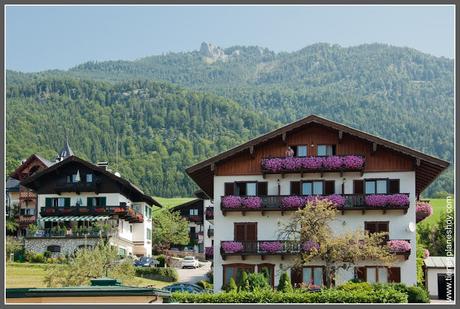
[427,167]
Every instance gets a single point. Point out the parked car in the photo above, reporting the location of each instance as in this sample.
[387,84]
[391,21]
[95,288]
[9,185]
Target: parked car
[184,287]
[146,262]
[190,262]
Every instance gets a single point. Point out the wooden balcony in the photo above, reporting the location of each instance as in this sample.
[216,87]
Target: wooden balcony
[265,248]
[196,218]
[121,211]
[352,202]
[288,165]
[49,233]
[27,195]
[78,187]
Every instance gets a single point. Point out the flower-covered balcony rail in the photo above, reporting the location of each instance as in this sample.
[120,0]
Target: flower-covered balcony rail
[195,218]
[343,202]
[123,211]
[423,210]
[319,164]
[209,213]
[292,247]
[209,253]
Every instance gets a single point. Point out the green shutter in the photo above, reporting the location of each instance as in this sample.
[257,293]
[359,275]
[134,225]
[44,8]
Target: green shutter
[89,201]
[103,201]
[48,202]
[67,202]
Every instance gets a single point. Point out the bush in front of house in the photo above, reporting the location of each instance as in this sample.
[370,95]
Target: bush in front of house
[158,273]
[351,286]
[388,295]
[33,257]
[415,294]
[284,284]
[162,260]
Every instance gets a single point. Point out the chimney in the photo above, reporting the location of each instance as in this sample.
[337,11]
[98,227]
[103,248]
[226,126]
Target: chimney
[103,164]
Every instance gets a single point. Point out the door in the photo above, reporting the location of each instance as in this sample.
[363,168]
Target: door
[247,234]
[445,283]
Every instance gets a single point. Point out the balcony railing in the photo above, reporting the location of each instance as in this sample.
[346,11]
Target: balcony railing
[78,186]
[293,202]
[49,233]
[195,218]
[282,248]
[209,213]
[27,195]
[313,164]
[123,211]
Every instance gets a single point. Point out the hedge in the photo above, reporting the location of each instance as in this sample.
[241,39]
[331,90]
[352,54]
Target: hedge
[168,274]
[384,295]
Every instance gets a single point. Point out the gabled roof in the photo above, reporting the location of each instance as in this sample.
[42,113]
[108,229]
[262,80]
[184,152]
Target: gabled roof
[430,167]
[30,181]
[187,204]
[34,156]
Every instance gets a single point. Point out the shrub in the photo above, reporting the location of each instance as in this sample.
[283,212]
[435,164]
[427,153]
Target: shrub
[47,254]
[158,273]
[415,294]
[351,286]
[243,284]
[162,260]
[205,284]
[34,257]
[284,285]
[388,295]
[257,281]
[231,287]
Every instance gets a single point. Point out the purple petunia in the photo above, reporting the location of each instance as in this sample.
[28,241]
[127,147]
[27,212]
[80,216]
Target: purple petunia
[309,245]
[337,200]
[293,202]
[273,164]
[382,200]
[397,200]
[312,163]
[292,163]
[271,246]
[353,162]
[399,246]
[232,246]
[422,211]
[231,201]
[333,162]
[251,202]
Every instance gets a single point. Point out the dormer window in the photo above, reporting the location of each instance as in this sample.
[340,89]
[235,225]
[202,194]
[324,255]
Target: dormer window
[89,178]
[326,150]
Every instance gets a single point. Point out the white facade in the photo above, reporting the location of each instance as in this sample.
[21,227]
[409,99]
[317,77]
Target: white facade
[269,224]
[130,238]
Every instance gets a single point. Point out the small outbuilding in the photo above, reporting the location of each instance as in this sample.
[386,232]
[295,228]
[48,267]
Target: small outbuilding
[439,277]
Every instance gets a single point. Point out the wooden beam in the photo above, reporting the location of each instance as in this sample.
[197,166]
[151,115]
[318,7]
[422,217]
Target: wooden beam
[340,136]
[284,137]
[251,151]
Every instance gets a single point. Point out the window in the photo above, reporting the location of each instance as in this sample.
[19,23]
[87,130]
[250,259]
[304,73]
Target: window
[374,274]
[96,201]
[121,251]
[326,150]
[377,227]
[312,188]
[89,177]
[57,201]
[376,186]
[300,151]
[245,231]
[149,234]
[194,212]
[74,178]
[235,271]
[313,275]
[246,188]
[148,212]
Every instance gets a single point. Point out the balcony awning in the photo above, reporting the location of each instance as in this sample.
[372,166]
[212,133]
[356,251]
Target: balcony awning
[74,218]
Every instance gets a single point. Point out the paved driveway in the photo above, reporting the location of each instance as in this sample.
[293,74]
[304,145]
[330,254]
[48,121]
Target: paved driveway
[190,275]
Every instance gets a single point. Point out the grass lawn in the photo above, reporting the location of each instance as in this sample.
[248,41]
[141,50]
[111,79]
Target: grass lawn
[27,275]
[171,202]
[439,206]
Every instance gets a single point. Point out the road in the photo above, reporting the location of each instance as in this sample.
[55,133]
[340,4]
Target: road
[190,275]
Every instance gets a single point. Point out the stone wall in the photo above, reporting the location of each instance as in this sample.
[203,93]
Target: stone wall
[68,245]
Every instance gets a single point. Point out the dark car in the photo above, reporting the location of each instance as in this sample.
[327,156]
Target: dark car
[184,287]
[146,262]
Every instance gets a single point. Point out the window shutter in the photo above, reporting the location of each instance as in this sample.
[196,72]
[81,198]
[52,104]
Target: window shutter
[394,186]
[296,276]
[229,188]
[67,202]
[251,231]
[295,187]
[394,274]
[103,201]
[48,202]
[358,186]
[329,187]
[262,188]
[360,273]
[89,201]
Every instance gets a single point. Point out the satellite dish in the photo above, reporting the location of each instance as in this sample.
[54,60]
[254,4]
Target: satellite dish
[411,227]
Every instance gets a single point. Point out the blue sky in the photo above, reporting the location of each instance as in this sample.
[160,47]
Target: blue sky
[50,37]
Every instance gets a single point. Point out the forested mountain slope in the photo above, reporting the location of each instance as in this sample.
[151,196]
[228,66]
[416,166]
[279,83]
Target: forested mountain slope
[397,93]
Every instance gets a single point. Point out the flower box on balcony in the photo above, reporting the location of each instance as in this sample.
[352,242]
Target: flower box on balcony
[232,246]
[250,202]
[49,210]
[271,247]
[83,210]
[422,211]
[387,200]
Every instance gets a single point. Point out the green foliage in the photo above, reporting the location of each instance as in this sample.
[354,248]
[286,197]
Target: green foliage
[387,295]
[435,237]
[34,257]
[257,281]
[351,286]
[11,225]
[232,287]
[206,284]
[162,129]
[158,273]
[102,261]
[243,284]
[13,245]
[162,260]
[170,228]
[284,284]
[415,294]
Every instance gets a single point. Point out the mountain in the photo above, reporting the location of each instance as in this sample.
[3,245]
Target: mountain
[398,93]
